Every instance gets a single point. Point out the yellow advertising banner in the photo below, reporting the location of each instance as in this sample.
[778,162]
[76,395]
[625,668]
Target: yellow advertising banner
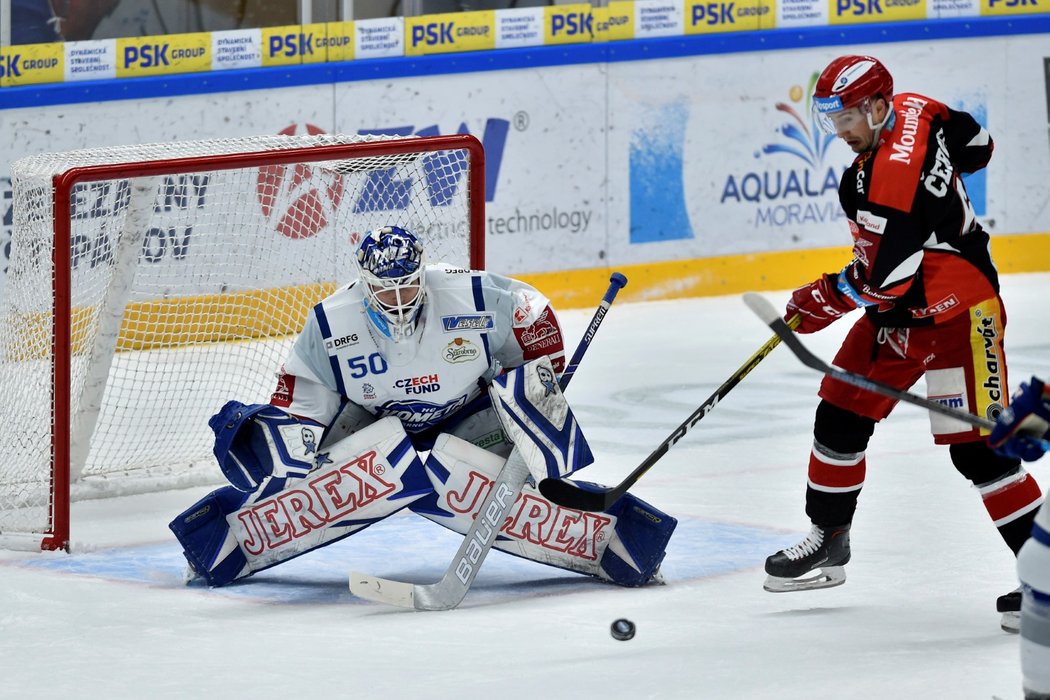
[163,55]
[294,44]
[339,41]
[1014,7]
[29,64]
[567,24]
[710,17]
[863,11]
[450,32]
[614,22]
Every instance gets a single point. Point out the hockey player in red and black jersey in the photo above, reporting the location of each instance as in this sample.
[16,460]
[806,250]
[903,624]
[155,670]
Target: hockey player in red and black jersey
[923,274]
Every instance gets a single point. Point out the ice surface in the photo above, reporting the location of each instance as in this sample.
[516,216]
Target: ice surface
[916,617]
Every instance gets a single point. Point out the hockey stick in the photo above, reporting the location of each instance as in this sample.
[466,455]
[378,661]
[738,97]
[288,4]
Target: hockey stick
[451,589]
[769,315]
[570,495]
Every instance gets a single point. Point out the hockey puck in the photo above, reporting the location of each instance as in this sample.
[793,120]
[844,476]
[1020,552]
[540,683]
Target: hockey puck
[622,630]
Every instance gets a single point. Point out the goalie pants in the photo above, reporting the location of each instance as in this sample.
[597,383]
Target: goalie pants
[963,360]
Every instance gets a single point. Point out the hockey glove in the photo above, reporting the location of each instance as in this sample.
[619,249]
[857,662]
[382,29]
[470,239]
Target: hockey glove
[817,304]
[1027,417]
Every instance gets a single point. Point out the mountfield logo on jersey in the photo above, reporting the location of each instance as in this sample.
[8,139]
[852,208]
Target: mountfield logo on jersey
[786,196]
[904,144]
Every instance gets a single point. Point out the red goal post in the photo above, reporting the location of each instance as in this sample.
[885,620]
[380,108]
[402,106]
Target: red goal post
[149,284]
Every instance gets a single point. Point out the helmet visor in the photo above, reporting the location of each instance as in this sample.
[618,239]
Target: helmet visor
[834,118]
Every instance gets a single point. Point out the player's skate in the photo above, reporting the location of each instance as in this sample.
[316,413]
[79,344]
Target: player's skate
[823,553]
[1009,604]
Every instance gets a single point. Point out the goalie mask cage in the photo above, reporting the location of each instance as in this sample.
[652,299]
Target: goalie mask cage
[150,284]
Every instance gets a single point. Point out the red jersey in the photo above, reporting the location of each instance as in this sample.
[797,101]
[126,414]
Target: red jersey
[920,255]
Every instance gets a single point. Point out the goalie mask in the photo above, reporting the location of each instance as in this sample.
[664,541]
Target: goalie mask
[390,262]
[845,91]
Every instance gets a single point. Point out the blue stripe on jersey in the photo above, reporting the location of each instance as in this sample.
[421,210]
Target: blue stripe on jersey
[479,305]
[322,321]
[479,298]
[326,333]
[1040,535]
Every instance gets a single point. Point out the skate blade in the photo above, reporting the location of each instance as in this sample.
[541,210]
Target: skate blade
[1011,622]
[827,577]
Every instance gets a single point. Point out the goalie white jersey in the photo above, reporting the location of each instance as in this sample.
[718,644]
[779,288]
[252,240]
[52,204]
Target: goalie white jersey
[473,324]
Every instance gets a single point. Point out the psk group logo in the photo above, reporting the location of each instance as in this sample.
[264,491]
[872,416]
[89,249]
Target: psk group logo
[793,184]
[298,199]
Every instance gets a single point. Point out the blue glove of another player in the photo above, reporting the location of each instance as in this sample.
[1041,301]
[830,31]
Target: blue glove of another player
[1022,429]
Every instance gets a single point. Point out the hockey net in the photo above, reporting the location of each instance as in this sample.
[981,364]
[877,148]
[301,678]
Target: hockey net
[150,284]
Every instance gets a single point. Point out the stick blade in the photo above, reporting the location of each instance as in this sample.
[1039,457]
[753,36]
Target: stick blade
[381,590]
[569,495]
[762,307]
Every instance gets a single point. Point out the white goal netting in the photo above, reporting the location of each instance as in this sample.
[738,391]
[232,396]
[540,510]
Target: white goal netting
[150,284]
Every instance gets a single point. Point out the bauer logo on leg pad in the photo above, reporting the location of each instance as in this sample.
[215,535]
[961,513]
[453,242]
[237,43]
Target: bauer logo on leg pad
[538,420]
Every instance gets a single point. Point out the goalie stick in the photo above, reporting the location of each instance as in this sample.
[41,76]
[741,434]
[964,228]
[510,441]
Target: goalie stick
[771,317]
[451,589]
[593,498]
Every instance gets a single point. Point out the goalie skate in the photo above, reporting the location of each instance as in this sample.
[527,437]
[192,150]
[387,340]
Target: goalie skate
[816,562]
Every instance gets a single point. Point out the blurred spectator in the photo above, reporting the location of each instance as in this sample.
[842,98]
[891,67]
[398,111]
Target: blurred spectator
[44,21]
[32,22]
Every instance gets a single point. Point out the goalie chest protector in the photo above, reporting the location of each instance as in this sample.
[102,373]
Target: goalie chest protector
[465,333]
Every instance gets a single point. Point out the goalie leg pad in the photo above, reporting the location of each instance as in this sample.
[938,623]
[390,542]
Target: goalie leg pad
[538,420]
[368,476]
[203,532]
[624,545]
[640,543]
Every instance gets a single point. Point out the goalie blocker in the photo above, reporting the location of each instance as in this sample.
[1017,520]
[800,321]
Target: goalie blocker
[291,495]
